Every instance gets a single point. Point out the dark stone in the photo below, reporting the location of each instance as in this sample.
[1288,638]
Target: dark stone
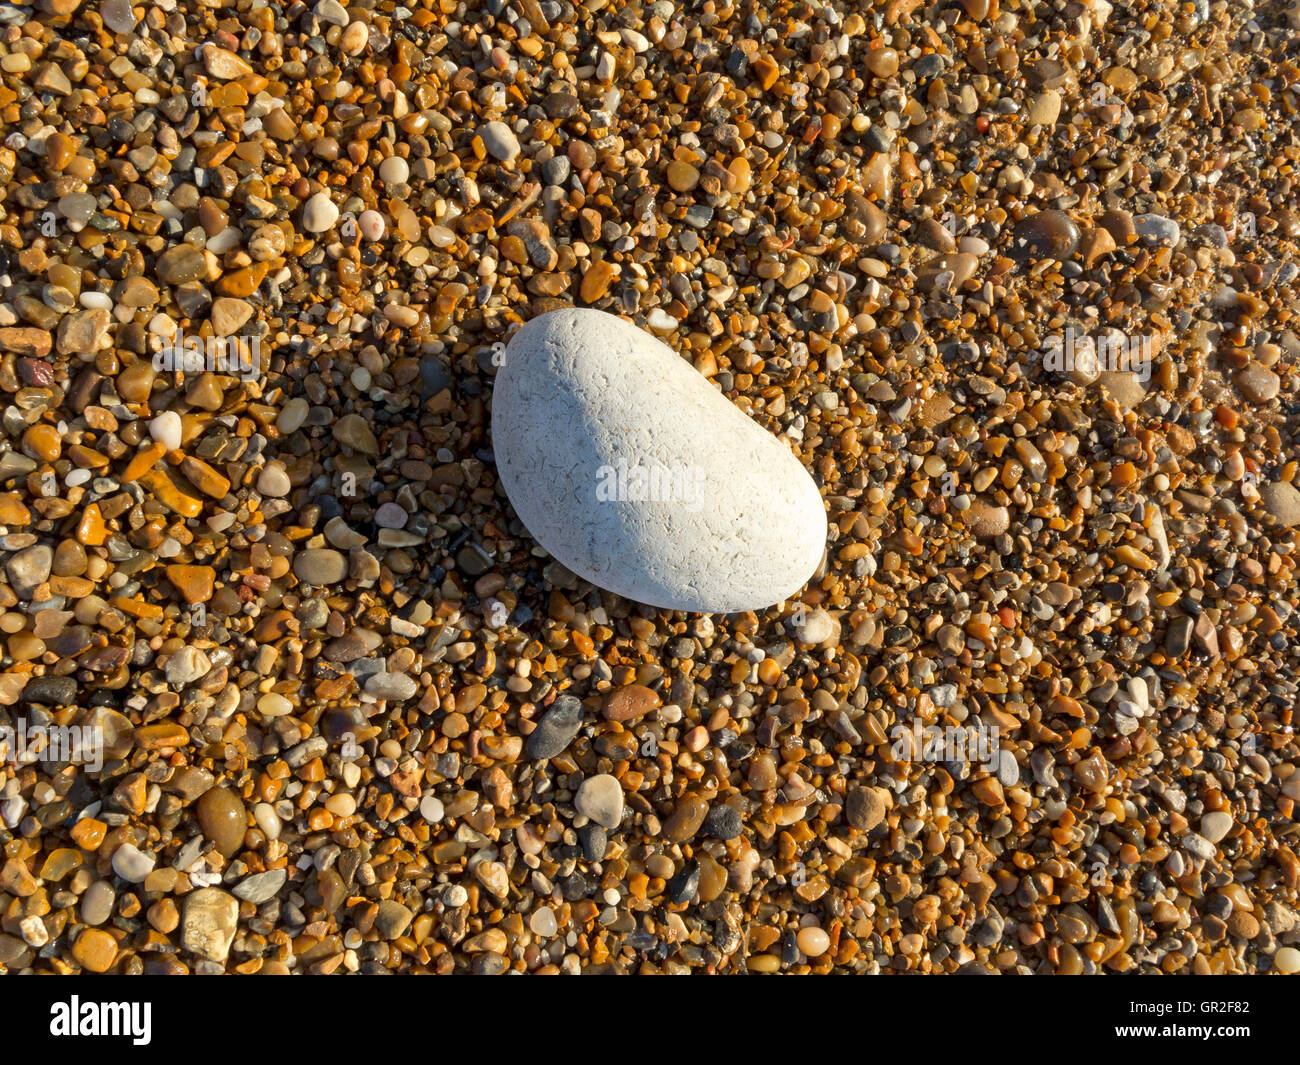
[723,822]
[594,840]
[556,729]
[51,691]
[683,886]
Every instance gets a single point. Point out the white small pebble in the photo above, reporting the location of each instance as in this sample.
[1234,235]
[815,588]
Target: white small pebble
[394,170]
[372,225]
[166,429]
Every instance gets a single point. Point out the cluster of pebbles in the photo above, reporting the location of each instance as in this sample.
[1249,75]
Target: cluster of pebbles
[354,718]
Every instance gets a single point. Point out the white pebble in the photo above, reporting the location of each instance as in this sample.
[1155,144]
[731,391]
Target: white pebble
[132,864]
[273,481]
[166,429]
[292,416]
[273,704]
[667,493]
[816,627]
[372,225]
[267,820]
[319,215]
[393,171]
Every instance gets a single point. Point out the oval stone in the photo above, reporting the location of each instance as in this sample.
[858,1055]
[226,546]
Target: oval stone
[221,816]
[1045,235]
[638,475]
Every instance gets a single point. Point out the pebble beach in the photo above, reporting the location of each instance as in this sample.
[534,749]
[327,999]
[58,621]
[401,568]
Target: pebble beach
[1016,284]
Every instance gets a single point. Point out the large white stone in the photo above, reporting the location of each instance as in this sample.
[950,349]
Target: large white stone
[638,475]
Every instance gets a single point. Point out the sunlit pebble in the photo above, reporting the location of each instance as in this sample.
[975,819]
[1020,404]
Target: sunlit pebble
[372,225]
[166,429]
[542,923]
[33,931]
[394,170]
[814,941]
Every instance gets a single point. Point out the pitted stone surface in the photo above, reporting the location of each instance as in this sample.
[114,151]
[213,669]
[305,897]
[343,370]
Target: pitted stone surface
[632,470]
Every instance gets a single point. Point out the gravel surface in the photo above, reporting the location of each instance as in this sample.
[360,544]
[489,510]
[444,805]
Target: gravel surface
[1015,281]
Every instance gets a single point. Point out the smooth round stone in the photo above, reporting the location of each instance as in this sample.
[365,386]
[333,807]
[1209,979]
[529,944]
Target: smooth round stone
[686,818]
[95,950]
[1287,960]
[273,704]
[542,923]
[221,816]
[394,170]
[228,314]
[600,798]
[319,214]
[97,902]
[165,429]
[557,728]
[394,686]
[391,516]
[372,225]
[500,141]
[818,627]
[633,471]
[1046,235]
[1215,825]
[320,566]
[431,809]
[1258,384]
[626,704]
[265,817]
[292,416]
[117,15]
[987,520]
[132,864]
[273,481]
[332,11]
[814,942]
[864,808]
[186,666]
[1157,229]
[1282,501]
